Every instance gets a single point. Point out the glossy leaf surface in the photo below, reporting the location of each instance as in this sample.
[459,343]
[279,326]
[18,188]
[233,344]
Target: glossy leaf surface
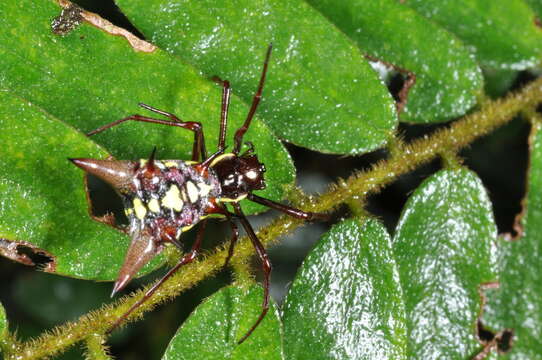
[89,78]
[517,304]
[42,196]
[346,302]
[503,34]
[448,80]
[213,329]
[349,112]
[442,248]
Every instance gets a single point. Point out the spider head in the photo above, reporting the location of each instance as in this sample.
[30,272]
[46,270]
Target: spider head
[239,175]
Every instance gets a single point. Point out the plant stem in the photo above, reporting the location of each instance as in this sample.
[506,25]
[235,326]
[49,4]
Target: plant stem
[403,159]
[96,349]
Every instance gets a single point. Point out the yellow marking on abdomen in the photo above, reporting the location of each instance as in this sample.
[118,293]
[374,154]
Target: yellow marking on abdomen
[154,206]
[140,209]
[193,193]
[204,189]
[172,199]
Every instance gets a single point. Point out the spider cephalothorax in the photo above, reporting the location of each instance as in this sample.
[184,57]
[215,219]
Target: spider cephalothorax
[164,198]
[238,176]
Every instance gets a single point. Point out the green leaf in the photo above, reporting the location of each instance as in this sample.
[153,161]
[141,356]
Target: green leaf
[43,202]
[442,247]
[346,301]
[517,304]
[89,78]
[4,333]
[213,329]
[349,112]
[448,81]
[536,5]
[498,82]
[502,34]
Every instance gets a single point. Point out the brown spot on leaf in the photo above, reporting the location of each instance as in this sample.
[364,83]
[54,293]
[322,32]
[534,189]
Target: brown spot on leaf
[69,19]
[28,254]
[102,24]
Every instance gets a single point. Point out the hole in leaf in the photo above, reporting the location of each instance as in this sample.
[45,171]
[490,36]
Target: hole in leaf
[40,259]
[111,12]
[484,334]
[398,80]
[504,344]
[502,339]
[395,85]
[27,254]
[105,204]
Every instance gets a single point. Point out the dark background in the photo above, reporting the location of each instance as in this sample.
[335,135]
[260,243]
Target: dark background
[36,301]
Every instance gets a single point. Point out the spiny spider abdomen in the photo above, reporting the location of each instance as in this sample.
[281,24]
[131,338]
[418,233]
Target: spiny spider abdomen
[161,200]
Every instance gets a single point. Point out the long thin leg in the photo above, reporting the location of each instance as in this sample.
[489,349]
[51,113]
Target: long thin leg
[234,237]
[226,92]
[288,210]
[266,267]
[238,139]
[199,143]
[187,258]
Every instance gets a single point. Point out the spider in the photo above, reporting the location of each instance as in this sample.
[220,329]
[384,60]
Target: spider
[164,198]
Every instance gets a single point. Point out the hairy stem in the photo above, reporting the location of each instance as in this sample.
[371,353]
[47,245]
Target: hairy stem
[445,142]
[96,350]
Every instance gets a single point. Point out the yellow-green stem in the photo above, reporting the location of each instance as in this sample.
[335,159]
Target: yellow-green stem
[96,349]
[403,159]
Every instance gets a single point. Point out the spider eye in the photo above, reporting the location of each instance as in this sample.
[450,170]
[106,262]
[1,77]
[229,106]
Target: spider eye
[252,175]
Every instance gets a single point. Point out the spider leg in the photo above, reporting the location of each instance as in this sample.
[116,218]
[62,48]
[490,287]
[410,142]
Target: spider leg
[226,92]
[288,210]
[266,267]
[186,259]
[234,236]
[238,138]
[196,127]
